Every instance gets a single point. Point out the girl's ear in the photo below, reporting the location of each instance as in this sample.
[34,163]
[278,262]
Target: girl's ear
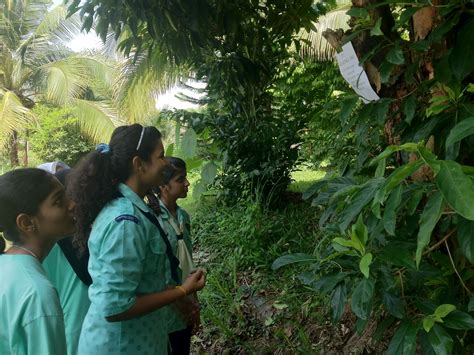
[26,223]
[137,164]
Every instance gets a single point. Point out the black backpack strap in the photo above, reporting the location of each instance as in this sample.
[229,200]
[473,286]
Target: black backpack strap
[78,263]
[174,262]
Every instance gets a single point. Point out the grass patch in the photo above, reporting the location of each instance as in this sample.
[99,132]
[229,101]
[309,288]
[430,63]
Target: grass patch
[304,178]
[246,306]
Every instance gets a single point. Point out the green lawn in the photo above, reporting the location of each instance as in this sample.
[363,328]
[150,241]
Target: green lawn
[304,178]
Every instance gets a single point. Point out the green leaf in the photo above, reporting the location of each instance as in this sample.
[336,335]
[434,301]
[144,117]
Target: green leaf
[465,235]
[189,143]
[395,56]
[440,340]
[361,302]
[398,255]
[428,323]
[344,242]
[443,310]
[385,71]
[409,147]
[414,201]
[396,177]
[347,107]
[338,300]
[390,213]
[364,264]
[357,12]
[327,283]
[404,339]
[359,229]
[409,108]
[428,221]
[457,188]
[358,202]
[463,129]
[393,304]
[169,150]
[470,307]
[376,31]
[459,320]
[292,259]
[380,171]
[463,52]
[209,172]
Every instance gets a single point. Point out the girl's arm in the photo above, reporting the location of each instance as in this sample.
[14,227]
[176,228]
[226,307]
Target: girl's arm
[148,303]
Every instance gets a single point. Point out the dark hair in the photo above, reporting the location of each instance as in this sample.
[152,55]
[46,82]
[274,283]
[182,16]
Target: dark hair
[62,175]
[21,191]
[174,166]
[93,183]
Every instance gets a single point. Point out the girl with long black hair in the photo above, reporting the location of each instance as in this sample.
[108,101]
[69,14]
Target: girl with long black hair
[131,262]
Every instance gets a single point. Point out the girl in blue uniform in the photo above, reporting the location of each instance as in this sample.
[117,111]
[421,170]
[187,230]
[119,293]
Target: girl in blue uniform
[184,317]
[34,215]
[131,262]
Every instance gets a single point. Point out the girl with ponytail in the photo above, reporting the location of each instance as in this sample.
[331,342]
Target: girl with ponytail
[34,215]
[131,262]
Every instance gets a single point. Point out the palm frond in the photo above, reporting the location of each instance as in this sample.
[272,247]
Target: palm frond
[97,119]
[314,45]
[142,81]
[13,116]
[65,80]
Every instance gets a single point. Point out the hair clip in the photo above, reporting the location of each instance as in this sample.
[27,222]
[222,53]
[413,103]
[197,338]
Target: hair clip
[103,148]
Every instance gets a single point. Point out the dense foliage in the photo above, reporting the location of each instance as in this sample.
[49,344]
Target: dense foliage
[402,223]
[239,49]
[57,136]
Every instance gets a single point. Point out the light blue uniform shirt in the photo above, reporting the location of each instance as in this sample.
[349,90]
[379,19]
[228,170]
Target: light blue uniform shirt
[72,295]
[31,318]
[127,258]
[176,322]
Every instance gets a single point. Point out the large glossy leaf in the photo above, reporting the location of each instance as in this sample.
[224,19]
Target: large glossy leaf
[393,304]
[338,301]
[362,296]
[292,259]
[465,235]
[364,264]
[404,339]
[463,129]
[358,202]
[327,283]
[390,213]
[428,221]
[457,188]
[189,143]
[463,52]
[459,320]
[440,340]
[395,178]
[209,172]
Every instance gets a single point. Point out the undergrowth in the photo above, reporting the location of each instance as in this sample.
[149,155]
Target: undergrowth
[247,307]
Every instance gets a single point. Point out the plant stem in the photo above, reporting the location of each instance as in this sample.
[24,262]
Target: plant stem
[439,243]
[455,270]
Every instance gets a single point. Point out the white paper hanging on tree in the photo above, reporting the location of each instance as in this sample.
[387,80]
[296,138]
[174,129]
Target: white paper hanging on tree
[354,74]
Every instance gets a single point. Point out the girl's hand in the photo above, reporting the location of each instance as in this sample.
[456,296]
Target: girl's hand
[195,282]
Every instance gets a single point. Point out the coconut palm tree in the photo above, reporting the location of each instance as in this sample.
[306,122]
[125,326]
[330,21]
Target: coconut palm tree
[36,66]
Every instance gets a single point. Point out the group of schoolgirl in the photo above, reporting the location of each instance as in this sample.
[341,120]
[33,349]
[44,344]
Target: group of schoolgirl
[125,283]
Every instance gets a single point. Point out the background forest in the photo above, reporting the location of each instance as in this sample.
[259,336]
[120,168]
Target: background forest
[326,224]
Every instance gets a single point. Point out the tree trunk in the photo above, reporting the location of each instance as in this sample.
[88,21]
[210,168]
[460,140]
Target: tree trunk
[25,157]
[14,160]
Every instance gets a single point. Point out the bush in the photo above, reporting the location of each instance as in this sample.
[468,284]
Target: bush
[57,136]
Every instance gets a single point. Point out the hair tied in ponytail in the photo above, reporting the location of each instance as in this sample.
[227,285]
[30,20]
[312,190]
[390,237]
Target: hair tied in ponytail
[103,148]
